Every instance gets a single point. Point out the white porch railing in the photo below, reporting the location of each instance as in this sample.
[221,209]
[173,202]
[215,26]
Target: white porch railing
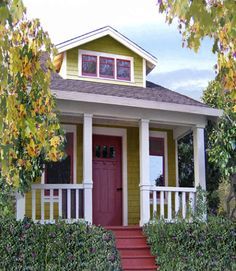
[170,203]
[53,201]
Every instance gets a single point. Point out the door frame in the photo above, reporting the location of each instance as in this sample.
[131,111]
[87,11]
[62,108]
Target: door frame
[121,132]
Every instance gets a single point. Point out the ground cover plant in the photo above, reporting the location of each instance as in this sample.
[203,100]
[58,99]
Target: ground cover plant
[193,246]
[26,245]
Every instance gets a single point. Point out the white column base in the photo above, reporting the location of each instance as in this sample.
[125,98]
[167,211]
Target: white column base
[88,202]
[144,204]
[20,206]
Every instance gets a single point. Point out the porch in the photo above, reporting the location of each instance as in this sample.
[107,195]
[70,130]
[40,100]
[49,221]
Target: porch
[141,199]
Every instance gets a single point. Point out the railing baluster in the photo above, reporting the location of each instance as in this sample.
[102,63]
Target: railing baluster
[77,204]
[192,201]
[42,205]
[68,203]
[154,197]
[184,205]
[169,206]
[60,203]
[51,205]
[33,204]
[162,204]
[176,203]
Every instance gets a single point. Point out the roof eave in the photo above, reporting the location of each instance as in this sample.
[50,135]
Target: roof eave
[145,104]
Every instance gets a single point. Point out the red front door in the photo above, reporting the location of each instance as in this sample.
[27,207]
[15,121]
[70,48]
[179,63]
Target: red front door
[107,181]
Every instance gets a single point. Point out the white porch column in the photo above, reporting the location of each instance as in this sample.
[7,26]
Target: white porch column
[144,171]
[87,167]
[199,157]
[20,206]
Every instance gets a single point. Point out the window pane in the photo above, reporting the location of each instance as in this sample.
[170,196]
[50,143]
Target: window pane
[156,146]
[157,170]
[123,69]
[104,152]
[89,65]
[112,152]
[59,172]
[106,67]
[98,151]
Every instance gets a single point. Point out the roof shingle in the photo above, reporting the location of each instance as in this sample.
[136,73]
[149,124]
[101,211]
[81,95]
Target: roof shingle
[152,92]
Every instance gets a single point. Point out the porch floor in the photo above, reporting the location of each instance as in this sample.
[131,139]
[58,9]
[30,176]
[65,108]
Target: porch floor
[134,252]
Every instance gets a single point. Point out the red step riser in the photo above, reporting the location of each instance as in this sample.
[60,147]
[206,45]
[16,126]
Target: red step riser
[131,242]
[136,262]
[146,269]
[135,252]
[118,233]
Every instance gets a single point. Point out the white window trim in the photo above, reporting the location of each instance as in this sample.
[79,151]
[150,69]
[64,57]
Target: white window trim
[123,134]
[70,129]
[162,135]
[98,54]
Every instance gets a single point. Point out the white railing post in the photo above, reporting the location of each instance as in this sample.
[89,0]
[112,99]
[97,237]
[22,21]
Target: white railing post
[144,171]
[87,168]
[20,206]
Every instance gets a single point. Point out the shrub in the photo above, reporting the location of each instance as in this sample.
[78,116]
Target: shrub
[193,246]
[29,246]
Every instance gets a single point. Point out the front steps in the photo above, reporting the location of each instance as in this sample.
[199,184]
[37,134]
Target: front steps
[134,251]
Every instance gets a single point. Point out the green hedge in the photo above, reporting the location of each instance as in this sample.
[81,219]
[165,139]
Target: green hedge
[78,246]
[193,246]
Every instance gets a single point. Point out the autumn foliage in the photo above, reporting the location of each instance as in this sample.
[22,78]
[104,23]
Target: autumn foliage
[215,19]
[30,133]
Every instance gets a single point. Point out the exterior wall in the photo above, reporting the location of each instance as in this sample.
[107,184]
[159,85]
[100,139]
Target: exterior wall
[105,45]
[132,168]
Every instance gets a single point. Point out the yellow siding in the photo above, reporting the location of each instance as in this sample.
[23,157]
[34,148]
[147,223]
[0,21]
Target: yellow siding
[133,172]
[105,45]
[133,175]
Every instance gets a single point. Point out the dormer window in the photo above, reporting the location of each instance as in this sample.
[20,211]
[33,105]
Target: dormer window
[89,65]
[123,69]
[105,66]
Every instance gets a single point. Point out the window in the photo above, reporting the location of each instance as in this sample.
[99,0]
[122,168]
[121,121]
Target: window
[89,65]
[62,171]
[123,69]
[157,161]
[103,65]
[106,67]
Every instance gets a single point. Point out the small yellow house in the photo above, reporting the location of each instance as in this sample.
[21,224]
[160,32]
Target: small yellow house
[122,132]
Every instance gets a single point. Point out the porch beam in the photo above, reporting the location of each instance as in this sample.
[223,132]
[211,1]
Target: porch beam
[144,171]
[87,167]
[199,157]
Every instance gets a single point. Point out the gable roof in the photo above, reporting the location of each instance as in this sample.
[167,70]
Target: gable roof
[104,31]
[161,98]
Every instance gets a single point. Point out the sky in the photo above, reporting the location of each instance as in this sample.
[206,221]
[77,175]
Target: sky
[178,68]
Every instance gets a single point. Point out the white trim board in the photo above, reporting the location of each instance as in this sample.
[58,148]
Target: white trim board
[107,30]
[162,135]
[123,134]
[131,102]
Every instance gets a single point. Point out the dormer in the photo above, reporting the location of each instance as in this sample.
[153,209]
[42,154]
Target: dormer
[104,55]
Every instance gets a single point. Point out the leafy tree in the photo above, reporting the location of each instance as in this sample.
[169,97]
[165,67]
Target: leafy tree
[222,137]
[30,133]
[208,18]
[185,161]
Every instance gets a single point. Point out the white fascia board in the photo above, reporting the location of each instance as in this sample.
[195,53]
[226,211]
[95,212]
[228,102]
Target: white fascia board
[138,103]
[114,34]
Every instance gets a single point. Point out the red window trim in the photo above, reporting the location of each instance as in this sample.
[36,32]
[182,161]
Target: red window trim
[107,76]
[89,74]
[117,65]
